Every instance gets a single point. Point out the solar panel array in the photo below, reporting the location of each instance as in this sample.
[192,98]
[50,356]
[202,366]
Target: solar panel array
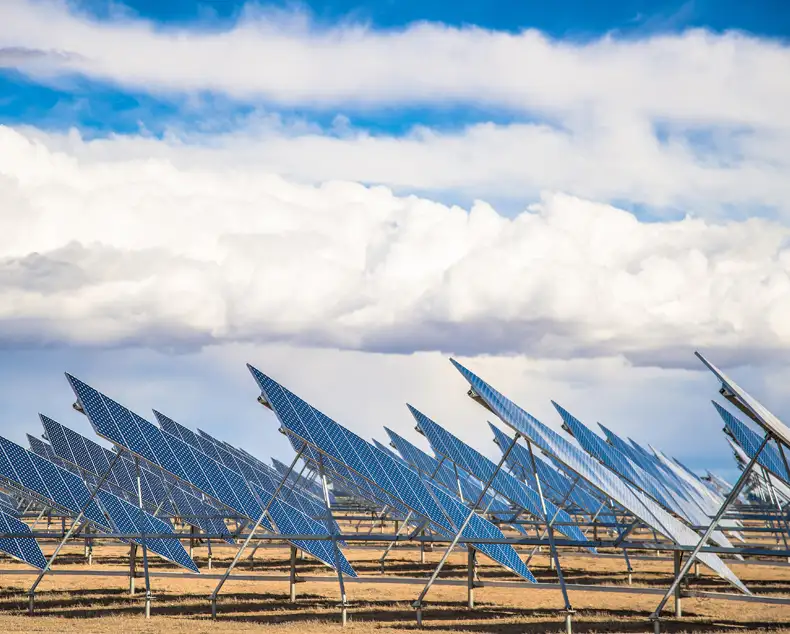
[60,488]
[422,497]
[128,430]
[556,485]
[636,502]
[634,476]
[475,463]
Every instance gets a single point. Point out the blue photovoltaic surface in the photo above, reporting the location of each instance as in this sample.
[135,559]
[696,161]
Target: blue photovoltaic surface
[612,458]
[126,429]
[585,466]
[62,489]
[475,463]
[557,484]
[254,472]
[634,476]
[445,475]
[765,419]
[25,549]
[51,484]
[131,519]
[422,497]
[750,442]
[87,458]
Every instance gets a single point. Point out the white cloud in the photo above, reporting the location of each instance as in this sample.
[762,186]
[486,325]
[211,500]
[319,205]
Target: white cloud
[695,122]
[133,251]
[284,58]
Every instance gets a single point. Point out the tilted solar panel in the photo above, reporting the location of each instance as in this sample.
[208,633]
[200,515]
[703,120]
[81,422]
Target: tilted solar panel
[442,473]
[131,519]
[421,497]
[556,484]
[589,469]
[26,549]
[763,417]
[126,429]
[473,462]
[750,442]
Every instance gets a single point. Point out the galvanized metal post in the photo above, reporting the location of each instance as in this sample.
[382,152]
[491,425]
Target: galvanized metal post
[292,576]
[471,565]
[336,549]
[142,541]
[676,558]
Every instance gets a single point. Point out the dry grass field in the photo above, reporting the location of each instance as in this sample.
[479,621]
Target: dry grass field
[101,604]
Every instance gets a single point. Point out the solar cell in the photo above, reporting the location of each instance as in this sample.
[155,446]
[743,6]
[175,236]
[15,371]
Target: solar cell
[583,465]
[25,549]
[420,496]
[170,453]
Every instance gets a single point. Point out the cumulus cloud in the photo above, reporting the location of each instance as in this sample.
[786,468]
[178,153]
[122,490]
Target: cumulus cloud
[146,252]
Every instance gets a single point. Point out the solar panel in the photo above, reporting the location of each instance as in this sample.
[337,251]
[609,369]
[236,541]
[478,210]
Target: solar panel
[444,475]
[582,464]
[555,484]
[75,450]
[254,472]
[62,489]
[24,549]
[126,429]
[421,497]
[750,442]
[763,417]
[476,464]
[131,519]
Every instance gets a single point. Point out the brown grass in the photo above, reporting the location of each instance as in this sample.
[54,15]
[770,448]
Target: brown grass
[97,604]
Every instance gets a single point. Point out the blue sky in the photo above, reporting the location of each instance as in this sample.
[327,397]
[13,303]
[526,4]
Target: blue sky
[571,196]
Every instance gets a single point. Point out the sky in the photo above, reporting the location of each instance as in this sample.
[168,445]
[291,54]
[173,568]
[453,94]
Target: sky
[570,198]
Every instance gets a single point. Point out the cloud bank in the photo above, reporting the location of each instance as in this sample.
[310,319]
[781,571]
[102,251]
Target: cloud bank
[146,252]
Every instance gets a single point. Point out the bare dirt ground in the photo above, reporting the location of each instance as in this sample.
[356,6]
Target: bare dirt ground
[99,604]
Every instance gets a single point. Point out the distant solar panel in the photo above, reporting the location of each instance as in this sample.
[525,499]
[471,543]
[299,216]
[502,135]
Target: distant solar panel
[585,466]
[556,484]
[424,498]
[126,429]
[24,549]
[476,464]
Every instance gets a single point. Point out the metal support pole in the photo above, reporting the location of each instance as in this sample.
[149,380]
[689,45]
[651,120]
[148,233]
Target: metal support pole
[677,558]
[32,592]
[417,605]
[471,565]
[292,576]
[132,567]
[711,528]
[142,542]
[330,526]
[240,552]
[555,555]
[210,556]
